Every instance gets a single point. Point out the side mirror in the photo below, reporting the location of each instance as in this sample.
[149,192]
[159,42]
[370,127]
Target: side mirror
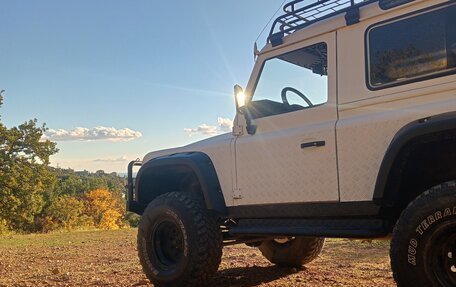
[241,108]
[239,98]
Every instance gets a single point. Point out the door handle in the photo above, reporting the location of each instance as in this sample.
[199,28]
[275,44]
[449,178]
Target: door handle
[313,144]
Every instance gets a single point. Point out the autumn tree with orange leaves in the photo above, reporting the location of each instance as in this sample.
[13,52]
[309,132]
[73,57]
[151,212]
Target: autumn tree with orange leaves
[105,210]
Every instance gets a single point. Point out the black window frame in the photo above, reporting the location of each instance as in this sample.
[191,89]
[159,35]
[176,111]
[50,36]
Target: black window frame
[416,79]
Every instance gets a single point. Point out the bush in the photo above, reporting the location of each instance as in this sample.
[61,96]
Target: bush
[132,219]
[4,227]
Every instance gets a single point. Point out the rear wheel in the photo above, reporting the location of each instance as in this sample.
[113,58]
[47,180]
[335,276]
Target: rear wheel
[423,247]
[179,241]
[292,251]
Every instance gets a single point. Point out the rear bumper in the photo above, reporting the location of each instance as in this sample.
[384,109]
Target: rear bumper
[132,201]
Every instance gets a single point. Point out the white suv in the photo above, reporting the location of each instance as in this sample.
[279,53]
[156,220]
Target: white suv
[347,128]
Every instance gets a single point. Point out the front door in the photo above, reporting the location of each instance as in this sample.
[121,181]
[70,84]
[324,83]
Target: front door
[292,156]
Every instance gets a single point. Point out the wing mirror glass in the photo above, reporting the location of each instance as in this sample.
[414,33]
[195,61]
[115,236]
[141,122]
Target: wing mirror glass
[241,108]
[239,98]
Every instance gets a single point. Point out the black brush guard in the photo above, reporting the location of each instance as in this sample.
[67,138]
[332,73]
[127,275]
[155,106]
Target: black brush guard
[132,201]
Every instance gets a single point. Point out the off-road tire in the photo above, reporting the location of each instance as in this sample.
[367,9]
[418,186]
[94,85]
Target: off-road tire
[294,253]
[196,249]
[423,246]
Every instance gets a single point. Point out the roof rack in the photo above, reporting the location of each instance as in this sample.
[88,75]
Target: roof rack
[300,14]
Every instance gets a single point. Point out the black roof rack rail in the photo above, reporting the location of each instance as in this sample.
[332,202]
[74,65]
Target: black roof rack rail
[300,14]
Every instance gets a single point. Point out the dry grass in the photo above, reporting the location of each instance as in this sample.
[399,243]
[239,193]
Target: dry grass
[108,258]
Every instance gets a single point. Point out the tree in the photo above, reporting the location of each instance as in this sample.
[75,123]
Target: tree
[24,173]
[63,212]
[105,209]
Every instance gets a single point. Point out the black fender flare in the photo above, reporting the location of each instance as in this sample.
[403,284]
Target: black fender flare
[197,162]
[433,124]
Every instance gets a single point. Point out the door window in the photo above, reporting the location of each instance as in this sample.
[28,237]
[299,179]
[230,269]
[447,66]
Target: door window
[291,82]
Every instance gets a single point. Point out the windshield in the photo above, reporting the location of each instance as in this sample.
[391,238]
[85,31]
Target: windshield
[291,82]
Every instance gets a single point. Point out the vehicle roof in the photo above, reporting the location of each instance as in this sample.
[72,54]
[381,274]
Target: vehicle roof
[300,28]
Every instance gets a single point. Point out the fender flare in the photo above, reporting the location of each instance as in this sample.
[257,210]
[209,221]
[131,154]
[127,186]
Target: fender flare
[197,162]
[421,127]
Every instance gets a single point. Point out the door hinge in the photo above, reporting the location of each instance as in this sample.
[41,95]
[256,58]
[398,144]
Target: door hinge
[237,193]
[238,130]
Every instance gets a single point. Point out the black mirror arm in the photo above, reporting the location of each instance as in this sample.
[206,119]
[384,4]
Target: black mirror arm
[250,123]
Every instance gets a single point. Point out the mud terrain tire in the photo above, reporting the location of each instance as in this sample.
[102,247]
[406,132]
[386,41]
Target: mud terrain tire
[423,246]
[179,241]
[293,253]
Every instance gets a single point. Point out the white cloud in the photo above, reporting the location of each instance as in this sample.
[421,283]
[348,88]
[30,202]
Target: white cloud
[202,129]
[223,125]
[118,159]
[96,133]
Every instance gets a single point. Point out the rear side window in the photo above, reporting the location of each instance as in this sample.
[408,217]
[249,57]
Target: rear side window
[411,49]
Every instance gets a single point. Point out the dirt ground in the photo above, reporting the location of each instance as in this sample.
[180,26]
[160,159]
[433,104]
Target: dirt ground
[108,258]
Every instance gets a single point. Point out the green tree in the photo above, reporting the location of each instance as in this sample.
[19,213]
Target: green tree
[70,184]
[24,173]
[63,212]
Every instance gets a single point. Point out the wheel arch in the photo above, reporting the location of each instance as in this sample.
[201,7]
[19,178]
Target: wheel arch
[186,172]
[404,172]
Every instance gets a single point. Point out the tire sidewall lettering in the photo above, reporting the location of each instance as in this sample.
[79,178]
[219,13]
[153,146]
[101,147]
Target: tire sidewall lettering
[411,251]
[422,228]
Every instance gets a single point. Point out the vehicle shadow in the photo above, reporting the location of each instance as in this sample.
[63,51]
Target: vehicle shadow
[249,276]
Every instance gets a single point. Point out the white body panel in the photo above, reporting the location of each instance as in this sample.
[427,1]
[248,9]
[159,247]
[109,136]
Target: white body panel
[219,150]
[368,119]
[272,167]
[357,124]
[364,134]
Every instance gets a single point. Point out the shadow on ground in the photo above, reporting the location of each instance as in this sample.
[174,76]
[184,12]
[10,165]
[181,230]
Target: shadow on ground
[249,276]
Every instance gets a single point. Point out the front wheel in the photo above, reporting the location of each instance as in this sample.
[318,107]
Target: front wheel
[292,251]
[179,241]
[423,247]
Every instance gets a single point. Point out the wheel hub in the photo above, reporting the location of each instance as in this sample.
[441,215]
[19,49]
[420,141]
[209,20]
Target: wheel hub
[451,260]
[442,256]
[168,243]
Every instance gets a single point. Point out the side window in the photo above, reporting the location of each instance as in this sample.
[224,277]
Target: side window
[290,82]
[411,49]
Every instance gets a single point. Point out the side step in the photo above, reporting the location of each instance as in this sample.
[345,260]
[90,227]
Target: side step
[337,228]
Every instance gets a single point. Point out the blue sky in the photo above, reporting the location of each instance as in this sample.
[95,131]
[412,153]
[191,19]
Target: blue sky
[114,80]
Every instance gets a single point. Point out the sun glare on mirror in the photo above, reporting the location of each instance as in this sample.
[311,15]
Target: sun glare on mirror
[240,96]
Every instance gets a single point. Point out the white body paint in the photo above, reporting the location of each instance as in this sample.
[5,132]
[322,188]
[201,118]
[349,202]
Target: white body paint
[356,123]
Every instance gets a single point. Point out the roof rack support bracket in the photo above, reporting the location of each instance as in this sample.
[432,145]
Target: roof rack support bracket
[388,4]
[276,39]
[352,16]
